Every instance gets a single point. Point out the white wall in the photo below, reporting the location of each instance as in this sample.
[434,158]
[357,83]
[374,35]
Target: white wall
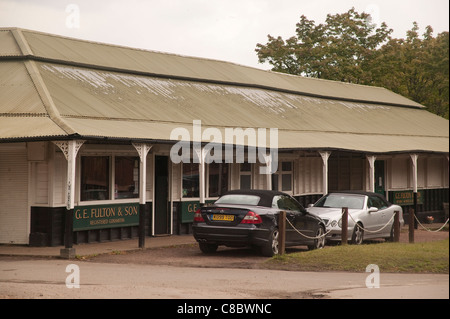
[14,208]
[432,172]
[308,175]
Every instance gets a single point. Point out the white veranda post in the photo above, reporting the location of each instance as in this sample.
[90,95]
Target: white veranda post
[70,150]
[142,149]
[325,156]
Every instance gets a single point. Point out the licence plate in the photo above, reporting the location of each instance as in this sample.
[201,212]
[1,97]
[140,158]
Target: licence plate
[228,218]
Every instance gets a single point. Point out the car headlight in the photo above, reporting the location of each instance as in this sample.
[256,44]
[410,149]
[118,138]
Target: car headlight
[334,223]
[340,223]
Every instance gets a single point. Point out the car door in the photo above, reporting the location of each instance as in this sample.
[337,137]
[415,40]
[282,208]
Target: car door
[279,202]
[387,211]
[297,218]
[377,219]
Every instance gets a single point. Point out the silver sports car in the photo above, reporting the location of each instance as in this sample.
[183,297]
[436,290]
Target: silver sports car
[370,215]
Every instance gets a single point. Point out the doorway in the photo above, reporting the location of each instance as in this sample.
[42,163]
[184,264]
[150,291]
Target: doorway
[161,204]
[379,178]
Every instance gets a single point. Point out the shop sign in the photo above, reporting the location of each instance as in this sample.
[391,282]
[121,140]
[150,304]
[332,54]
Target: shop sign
[188,210]
[404,198]
[105,216]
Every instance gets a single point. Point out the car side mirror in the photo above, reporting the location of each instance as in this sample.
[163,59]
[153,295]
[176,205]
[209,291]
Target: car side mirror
[310,205]
[373,210]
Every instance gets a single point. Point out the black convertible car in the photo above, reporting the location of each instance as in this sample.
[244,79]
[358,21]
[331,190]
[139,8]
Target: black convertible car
[250,218]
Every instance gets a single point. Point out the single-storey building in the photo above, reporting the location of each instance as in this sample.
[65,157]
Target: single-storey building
[90,139]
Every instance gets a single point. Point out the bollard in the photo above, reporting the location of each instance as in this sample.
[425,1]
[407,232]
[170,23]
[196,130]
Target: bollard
[411,225]
[344,232]
[282,233]
[396,226]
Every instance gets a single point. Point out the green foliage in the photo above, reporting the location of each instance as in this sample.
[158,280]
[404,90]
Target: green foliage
[349,48]
[416,68]
[429,257]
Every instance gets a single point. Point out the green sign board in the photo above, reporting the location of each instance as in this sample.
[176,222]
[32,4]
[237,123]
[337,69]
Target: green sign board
[188,210]
[105,216]
[404,198]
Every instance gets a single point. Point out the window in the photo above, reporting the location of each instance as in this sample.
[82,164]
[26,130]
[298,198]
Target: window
[240,199]
[377,202]
[282,178]
[245,174]
[341,200]
[286,202]
[217,179]
[191,183]
[126,173]
[97,177]
[94,178]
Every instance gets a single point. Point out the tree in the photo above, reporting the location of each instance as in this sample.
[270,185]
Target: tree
[348,48]
[340,49]
[416,68]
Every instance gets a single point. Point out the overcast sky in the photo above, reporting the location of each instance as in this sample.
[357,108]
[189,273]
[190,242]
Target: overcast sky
[218,29]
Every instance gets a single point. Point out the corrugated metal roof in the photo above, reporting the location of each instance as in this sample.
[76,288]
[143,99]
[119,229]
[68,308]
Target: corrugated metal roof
[18,93]
[112,95]
[71,50]
[9,45]
[28,128]
[109,102]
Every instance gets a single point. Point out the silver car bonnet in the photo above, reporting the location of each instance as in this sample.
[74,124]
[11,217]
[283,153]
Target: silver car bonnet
[330,213]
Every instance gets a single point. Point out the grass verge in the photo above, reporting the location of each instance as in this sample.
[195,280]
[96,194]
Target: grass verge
[428,257]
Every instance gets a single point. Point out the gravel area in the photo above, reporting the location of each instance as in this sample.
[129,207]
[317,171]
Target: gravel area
[191,256]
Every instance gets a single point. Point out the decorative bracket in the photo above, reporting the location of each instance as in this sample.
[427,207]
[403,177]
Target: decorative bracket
[142,149]
[325,156]
[371,159]
[64,147]
[70,150]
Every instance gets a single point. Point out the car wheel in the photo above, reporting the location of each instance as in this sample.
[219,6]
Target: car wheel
[208,248]
[358,235]
[319,242]
[271,248]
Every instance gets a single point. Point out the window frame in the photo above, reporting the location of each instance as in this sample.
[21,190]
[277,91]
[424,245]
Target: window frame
[183,196]
[278,175]
[111,179]
[245,173]
[208,175]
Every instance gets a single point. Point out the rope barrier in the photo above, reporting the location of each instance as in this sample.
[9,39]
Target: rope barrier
[309,237]
[372,231]
[430,230]
[365,229]
[306,236]
[357,224]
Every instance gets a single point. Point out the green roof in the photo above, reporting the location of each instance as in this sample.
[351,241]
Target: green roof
[52,87]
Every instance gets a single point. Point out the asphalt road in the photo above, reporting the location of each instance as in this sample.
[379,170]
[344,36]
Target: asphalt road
[37,278]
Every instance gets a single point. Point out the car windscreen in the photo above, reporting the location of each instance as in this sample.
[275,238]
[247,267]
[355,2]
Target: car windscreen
[341,200]
[240,199]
